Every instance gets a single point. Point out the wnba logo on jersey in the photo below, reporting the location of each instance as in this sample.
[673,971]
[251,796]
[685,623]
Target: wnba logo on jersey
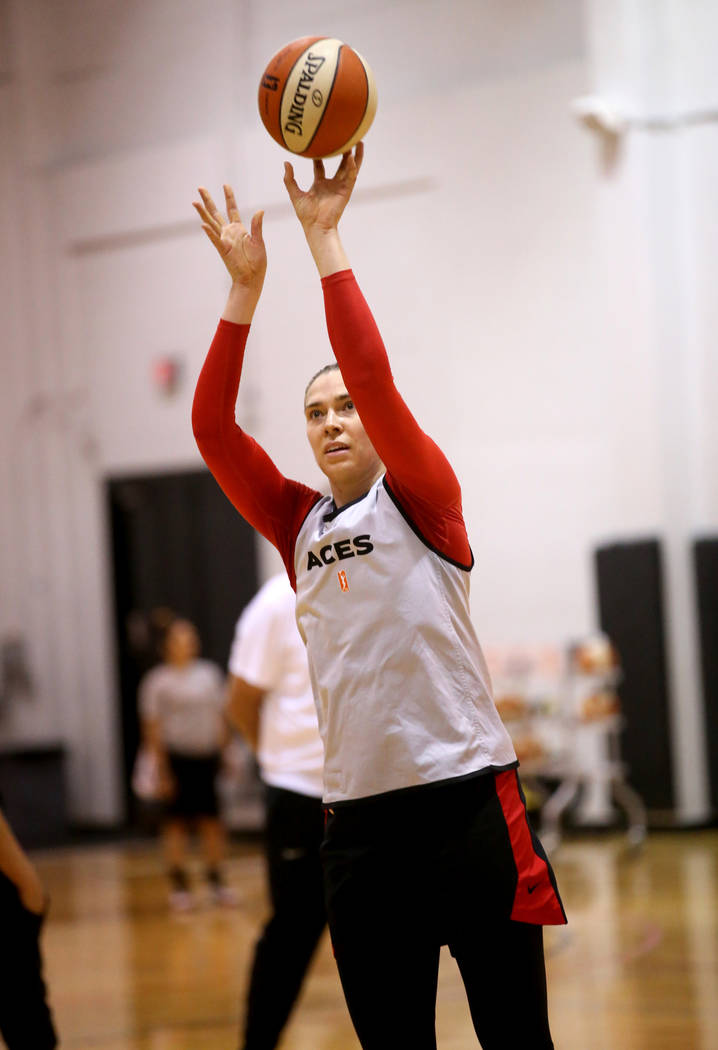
[340,551]
[343,581]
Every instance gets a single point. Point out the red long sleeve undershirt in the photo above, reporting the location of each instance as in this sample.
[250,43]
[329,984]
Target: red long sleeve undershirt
[417,472]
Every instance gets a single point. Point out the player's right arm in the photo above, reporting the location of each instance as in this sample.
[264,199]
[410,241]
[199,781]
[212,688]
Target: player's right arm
[270,502]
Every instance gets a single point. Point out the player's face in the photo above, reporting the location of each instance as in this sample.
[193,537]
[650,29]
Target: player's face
[339,442]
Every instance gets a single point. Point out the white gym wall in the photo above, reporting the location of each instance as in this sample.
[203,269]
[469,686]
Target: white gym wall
[549,316]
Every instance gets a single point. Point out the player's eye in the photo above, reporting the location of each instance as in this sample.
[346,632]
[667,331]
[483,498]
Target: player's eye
[349,406]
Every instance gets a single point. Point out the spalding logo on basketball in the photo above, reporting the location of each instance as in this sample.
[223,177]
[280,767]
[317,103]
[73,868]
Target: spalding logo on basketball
[317,97]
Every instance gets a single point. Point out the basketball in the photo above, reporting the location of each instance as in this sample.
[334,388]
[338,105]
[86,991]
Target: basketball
[317,97]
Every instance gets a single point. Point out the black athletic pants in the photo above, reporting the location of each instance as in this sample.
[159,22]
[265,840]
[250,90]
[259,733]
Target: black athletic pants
[25,1018]
[294,831]
[405,875]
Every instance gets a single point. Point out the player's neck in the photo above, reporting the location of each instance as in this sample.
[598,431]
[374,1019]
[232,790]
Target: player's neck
[344,492]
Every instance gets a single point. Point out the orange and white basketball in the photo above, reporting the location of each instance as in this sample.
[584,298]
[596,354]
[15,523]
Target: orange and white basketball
[317,97]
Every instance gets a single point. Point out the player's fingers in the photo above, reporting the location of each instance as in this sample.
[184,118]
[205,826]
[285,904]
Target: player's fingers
[203,214]
[232,209]
[209,230]
[207,199]
[344,163]
[359,155]
[290,182]
[349,168]
[318,168]
[214,214]
[257,221]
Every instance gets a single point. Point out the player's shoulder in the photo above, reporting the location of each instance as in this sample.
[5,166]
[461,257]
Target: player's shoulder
[321,506]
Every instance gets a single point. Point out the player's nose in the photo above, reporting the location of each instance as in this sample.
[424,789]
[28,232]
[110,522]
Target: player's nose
[332,423]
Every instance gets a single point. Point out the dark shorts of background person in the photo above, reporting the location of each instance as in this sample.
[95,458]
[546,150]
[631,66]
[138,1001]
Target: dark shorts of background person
[408,872]
[195,792]
[293,835]
[25,1017]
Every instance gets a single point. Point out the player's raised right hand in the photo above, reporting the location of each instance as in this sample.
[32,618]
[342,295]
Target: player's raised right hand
[242,251]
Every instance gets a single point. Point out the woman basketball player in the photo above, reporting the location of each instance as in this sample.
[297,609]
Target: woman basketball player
[427,840]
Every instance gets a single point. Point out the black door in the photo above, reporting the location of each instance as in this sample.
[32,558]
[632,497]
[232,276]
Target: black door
[179,545]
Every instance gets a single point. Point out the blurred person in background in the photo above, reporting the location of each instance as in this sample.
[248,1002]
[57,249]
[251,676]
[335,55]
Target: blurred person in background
[181,707]
[25,1018]
[270,701]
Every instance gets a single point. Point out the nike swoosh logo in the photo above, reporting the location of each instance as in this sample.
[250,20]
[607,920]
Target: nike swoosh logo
[532,888]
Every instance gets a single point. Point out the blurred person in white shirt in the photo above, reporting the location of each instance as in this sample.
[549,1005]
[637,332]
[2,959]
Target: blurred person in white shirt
[271,703]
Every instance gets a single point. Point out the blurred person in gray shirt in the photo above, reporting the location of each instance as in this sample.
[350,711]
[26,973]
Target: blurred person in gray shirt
[181,706]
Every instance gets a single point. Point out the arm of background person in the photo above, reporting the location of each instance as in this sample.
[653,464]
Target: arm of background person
[151,731]
[16,865]
[244,702]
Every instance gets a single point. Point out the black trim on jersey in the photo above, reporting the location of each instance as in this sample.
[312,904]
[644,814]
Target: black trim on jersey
[417,532]
[337,510]
[395,792]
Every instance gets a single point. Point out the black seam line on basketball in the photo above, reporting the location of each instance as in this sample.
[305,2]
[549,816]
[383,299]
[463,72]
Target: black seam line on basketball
[427,543]
[326,104]
[337,510]
[344,803]
[286,82]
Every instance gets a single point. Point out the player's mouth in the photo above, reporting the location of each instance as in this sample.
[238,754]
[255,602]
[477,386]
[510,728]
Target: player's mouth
[335,449]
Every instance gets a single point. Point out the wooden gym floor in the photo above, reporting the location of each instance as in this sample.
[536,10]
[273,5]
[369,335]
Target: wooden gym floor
[636,969]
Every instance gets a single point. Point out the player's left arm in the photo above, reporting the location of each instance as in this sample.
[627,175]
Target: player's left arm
[411,457]
[418,472]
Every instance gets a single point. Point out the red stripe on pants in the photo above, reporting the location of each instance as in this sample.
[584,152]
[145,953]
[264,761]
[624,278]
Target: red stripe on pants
[536,900]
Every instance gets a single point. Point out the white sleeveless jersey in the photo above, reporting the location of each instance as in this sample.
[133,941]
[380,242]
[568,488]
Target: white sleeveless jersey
[402,691]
